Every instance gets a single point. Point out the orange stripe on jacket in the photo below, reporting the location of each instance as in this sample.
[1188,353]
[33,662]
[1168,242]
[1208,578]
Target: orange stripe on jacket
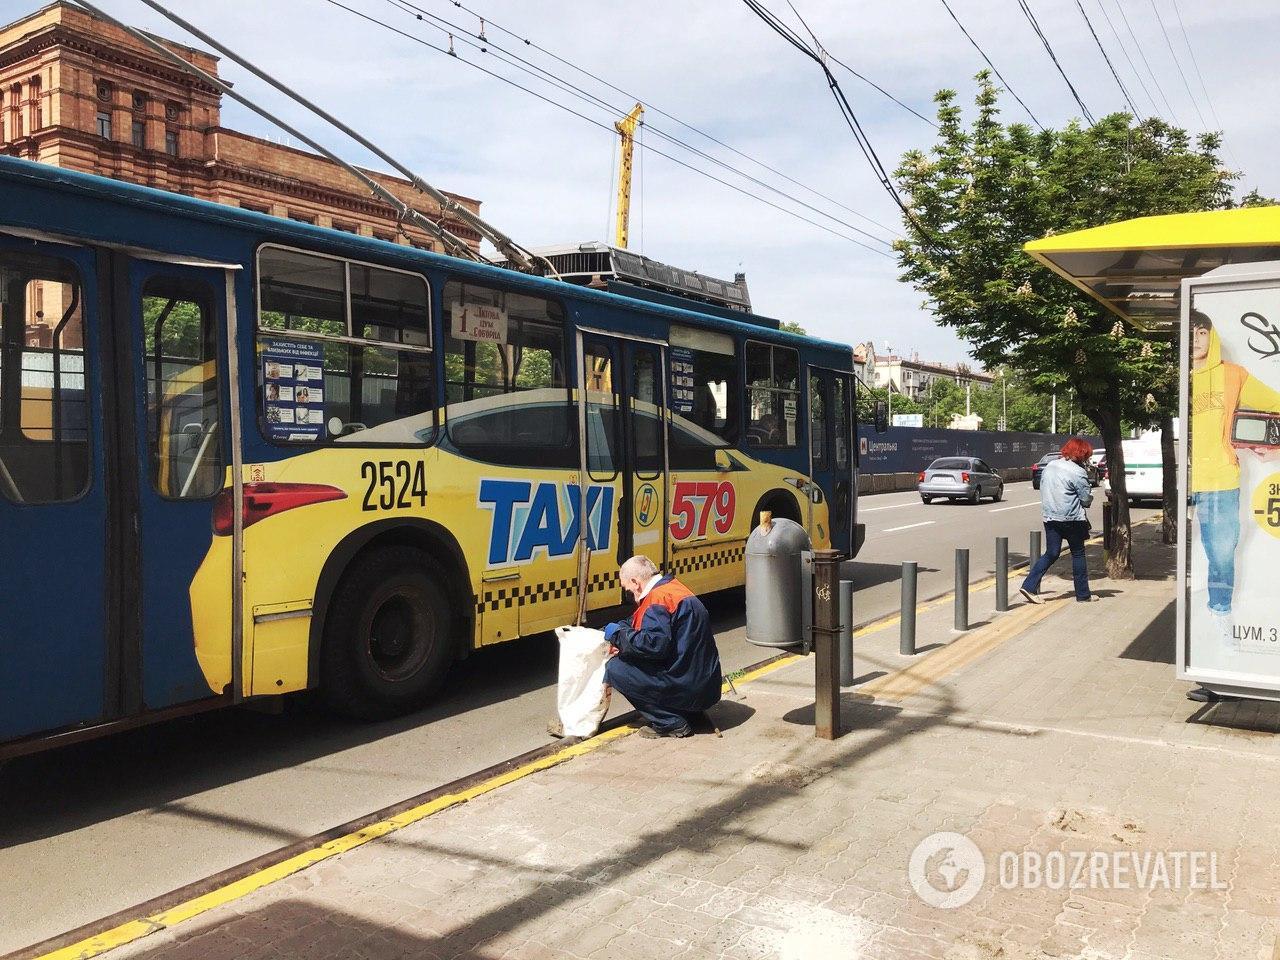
[667,594]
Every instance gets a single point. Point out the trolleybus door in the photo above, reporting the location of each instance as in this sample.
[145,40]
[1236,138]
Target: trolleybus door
[184,449]
[831,450]
[58,657]
[624,451]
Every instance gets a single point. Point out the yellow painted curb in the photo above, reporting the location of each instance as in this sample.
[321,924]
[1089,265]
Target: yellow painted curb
[134,930]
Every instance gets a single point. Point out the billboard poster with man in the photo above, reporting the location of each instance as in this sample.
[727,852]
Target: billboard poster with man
[1231,476]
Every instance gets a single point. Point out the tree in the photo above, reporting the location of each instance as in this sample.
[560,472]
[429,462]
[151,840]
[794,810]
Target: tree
[790,326]
[980,193]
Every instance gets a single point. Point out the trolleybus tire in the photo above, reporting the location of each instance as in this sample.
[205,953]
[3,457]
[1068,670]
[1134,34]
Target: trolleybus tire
[388,635]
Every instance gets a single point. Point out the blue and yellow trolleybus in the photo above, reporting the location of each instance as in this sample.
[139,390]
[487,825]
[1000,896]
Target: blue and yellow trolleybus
[242,456]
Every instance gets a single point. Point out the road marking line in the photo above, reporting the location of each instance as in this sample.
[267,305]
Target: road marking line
[135,930]
[1016,506]
[909,526]
[892,506]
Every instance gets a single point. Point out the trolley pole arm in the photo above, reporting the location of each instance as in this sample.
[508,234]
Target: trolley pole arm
[455,245]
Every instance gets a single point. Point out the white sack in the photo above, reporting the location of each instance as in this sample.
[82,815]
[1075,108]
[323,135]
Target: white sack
[582,698]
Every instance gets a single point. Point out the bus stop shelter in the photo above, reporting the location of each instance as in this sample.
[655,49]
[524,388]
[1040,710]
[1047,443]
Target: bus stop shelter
[1211,281]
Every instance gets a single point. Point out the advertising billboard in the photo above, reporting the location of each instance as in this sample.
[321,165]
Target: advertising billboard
[1229,471]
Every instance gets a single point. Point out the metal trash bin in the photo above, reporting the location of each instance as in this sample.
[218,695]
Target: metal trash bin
[776,591]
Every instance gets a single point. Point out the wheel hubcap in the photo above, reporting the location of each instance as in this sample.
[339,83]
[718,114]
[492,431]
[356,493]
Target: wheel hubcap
[398,641]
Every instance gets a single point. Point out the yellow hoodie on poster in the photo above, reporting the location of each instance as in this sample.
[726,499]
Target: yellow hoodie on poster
[1218,390]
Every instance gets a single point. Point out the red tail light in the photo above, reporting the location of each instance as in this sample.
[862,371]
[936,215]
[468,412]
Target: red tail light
[262,500]
[920,477]
[964,477]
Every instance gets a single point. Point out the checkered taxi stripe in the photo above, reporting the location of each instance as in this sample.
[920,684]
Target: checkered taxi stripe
[708,560]
[519,595]
[506,597]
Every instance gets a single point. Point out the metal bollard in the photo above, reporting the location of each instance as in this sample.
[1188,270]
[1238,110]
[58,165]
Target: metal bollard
[962,588]
[1108,522]
[1035,551]
[826,643]
[846,633]
[1002,574]
[907,625]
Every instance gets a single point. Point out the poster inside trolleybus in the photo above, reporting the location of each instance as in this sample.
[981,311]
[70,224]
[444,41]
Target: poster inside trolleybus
[1230,597]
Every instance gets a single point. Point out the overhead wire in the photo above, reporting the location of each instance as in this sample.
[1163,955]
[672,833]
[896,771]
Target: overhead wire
[487,46]
[591,120]
[968,36]
[1124,49]
[658,110]
[1110,66]
[1177,65]
[846,112]
[1147,63]
[840,63]
[1213,111]
[1035,25]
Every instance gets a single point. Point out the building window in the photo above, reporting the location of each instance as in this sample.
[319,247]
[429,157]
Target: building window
[104,125]
[37,104]
[139,100]
[171,143]
[344,227]
[384,236]
[303,218]
[104,91]
[138,133]
[255,208]
[171,111]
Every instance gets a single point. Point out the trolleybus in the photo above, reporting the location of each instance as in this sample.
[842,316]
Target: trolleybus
[242,456]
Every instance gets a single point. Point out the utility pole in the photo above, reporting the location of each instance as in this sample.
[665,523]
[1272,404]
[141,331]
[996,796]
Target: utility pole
[1004,401]
[1053,416]
[968,384]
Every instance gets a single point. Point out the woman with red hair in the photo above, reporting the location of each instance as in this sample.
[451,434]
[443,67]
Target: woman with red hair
[1064,494]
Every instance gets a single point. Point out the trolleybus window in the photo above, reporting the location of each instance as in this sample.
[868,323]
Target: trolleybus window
[705,386]
[343,351]
[817,423]
[646,403]
[505,386]
[183,408]
[772,397]
[840,421]
[44,426]
[602,412]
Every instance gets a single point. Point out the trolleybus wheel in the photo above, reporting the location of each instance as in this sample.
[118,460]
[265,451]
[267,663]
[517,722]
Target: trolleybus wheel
[387,643]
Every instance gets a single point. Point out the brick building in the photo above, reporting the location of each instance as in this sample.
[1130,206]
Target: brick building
[80,93]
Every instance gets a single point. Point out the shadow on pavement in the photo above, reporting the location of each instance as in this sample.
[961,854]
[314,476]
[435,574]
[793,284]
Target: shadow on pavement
[1157,641]
[163,765]
[293,927]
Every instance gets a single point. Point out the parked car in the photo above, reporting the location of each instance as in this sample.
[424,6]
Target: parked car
[1093,468]
[959,478]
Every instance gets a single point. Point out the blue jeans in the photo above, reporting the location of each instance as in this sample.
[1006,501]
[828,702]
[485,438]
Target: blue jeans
[1075,532]
[1218,513]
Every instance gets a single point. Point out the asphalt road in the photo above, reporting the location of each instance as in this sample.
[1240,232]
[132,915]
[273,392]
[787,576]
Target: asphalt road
[93,829]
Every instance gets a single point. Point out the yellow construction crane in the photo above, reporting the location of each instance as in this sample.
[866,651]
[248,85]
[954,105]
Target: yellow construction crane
[626,128]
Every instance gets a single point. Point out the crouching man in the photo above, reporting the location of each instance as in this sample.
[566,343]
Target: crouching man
[667,663]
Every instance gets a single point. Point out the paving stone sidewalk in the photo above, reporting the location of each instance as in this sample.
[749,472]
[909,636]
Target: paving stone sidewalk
[1068,743]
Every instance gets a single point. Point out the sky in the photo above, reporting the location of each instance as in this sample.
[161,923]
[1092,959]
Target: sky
[544,176]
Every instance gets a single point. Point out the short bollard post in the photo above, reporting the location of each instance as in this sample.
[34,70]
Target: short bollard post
[1002,574]
[846,633]
[1035,550]
[826,643]
[907,625]
[1108,522]
[962,588]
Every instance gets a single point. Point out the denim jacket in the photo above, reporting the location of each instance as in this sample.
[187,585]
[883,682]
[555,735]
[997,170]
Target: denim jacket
[1064,490]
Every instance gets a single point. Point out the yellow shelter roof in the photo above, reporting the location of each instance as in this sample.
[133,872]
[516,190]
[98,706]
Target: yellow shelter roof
[1134,267]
